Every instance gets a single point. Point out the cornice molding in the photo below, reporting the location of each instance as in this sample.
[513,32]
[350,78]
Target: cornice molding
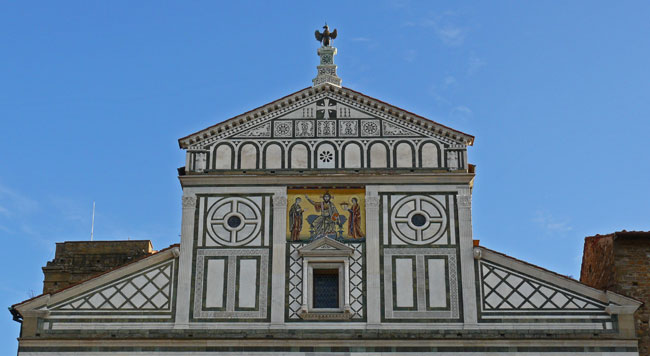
[293,101]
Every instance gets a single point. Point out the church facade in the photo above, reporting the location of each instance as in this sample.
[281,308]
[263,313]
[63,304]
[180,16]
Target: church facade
[327,222]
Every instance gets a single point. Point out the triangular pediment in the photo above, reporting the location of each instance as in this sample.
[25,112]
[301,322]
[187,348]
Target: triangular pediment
[325,111]
[147,285]
[510,285]
[325,247]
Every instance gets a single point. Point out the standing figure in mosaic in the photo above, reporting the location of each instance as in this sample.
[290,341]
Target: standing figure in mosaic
[325,224]
[295,220]
[354,222]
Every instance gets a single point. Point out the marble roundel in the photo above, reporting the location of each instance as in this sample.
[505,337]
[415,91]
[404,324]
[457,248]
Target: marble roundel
[418,220]
[234,221]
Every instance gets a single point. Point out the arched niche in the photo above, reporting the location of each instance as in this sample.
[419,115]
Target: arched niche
[404,155]
[273,156]
[299,156]
[223,156]
[248,156]
[326,155]
[429,155]
[352,155]
[378,155]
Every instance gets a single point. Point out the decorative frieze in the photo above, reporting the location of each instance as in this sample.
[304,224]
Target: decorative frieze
[283,128]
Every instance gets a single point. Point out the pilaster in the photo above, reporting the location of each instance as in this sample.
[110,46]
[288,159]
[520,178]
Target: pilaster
[278,264]
[470,312]
[185,262]
[373,273]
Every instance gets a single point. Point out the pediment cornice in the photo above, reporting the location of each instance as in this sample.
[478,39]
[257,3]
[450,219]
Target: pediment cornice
[291,102]
[325,247]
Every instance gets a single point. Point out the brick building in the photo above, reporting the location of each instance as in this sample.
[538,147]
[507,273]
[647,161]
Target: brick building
[620,262]
[76,261]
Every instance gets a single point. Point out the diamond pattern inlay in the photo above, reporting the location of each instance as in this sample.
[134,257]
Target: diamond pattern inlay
[504,290]
[147,290]
[356,280]
[295,280]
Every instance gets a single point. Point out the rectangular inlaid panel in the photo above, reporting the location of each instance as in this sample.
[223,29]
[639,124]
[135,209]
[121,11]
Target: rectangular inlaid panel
[215,283]
[426,276]
[247,283]
[244,282]
[404,282]
[437,283]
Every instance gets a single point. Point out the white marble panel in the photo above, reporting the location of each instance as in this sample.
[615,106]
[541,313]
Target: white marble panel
[404,282]
[247,283]
[429,153]
[273,158]
[299,156]
[223,159]
[404,155]
[437,283]
[248,159]
[352,156]
[215,283]
[378,156]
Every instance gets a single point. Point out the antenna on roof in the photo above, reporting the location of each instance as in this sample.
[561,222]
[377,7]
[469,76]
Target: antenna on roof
[92,226]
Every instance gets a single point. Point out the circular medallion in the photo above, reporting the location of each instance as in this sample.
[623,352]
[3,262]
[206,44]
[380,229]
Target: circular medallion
[418,220]
[233,221]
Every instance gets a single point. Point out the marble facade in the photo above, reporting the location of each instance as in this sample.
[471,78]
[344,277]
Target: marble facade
[415,283]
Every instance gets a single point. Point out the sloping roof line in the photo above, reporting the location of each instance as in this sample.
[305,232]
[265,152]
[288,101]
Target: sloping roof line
[98,275]
[533,265]
[184,142]
[554,273]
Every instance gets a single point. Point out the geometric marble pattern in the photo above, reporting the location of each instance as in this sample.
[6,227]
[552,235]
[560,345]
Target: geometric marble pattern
[233,221]
[420,310]
[295,280]
[431,225]
[506,290]
[231,286]
[147,290]
[356,280]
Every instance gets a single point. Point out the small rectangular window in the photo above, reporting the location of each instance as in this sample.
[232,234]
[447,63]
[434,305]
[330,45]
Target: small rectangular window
[326,288]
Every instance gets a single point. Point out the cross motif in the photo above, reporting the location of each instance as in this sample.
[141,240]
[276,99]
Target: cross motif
[327,108]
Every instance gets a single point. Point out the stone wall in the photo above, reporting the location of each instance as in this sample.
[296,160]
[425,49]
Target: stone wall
[75,261]
[620,262]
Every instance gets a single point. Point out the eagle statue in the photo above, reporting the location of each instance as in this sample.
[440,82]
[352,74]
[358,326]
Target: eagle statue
[325,36]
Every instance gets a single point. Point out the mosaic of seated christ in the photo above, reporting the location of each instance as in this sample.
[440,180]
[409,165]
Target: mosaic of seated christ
[335,213]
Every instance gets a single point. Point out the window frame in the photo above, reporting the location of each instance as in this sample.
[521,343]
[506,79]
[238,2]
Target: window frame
[340,267]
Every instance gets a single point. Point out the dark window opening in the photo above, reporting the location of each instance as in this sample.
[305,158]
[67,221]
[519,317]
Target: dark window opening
[326,288]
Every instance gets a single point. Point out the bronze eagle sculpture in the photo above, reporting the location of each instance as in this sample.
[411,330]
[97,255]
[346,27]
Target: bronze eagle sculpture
[325,36]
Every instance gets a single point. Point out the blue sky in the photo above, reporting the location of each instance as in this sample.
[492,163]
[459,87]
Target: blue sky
[94,95]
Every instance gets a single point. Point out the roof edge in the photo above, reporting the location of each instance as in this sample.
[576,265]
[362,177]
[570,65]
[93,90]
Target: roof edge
[48,296]
[185,142]
[604,295]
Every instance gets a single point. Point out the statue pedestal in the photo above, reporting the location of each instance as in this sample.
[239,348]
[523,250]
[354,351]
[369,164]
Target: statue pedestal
[326,68]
